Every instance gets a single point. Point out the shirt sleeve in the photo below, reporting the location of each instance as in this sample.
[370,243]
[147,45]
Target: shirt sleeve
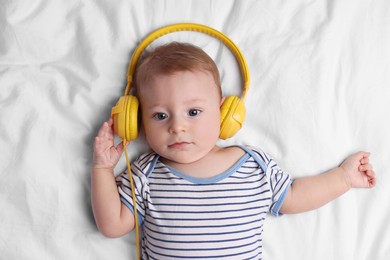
[279,181]
[140,184]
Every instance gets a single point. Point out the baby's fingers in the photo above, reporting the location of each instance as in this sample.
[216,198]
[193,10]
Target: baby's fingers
[371,178]
[120,147]
[365,167]
[105,130]
[368,171]
[365,160]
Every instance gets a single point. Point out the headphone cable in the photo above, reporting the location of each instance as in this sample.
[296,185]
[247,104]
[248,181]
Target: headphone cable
[137,238]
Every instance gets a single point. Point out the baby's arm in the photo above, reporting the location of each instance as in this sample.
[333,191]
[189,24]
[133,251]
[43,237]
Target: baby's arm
[112,217]
[312,192]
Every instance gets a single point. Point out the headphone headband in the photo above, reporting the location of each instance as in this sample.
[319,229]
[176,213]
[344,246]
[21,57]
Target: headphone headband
[189,27]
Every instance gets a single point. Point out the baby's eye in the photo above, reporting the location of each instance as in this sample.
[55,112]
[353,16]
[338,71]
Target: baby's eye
[194,112]
[160,116]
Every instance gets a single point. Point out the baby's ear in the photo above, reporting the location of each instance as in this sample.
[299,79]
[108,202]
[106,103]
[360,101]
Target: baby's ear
[222,100]
[141,130]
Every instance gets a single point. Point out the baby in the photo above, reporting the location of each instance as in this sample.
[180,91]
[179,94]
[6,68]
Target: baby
[195,198]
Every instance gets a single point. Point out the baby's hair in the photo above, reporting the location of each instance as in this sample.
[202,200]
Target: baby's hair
[175,57]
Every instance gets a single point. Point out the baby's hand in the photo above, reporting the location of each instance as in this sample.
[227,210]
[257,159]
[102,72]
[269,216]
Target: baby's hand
[106,155]
[358,170]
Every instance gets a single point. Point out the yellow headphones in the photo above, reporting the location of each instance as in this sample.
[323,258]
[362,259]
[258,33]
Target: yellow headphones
[125,112]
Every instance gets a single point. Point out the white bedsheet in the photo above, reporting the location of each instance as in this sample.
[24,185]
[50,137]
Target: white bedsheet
[320,90]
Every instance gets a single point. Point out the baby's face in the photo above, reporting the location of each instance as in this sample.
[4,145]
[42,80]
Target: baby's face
[181,115]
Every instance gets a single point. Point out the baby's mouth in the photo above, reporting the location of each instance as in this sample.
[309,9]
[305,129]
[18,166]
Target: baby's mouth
[178,145]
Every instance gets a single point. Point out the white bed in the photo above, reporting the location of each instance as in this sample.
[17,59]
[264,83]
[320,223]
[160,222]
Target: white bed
[320,90]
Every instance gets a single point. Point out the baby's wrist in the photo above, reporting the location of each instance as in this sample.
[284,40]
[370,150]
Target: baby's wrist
[346,177]
[102,163]
[102,167]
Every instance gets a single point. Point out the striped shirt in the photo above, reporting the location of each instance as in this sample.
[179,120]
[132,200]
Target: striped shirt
[222,217]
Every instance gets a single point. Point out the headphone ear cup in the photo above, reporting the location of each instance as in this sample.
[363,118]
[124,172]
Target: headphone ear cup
[232,117]
[125,116]
[132,118]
